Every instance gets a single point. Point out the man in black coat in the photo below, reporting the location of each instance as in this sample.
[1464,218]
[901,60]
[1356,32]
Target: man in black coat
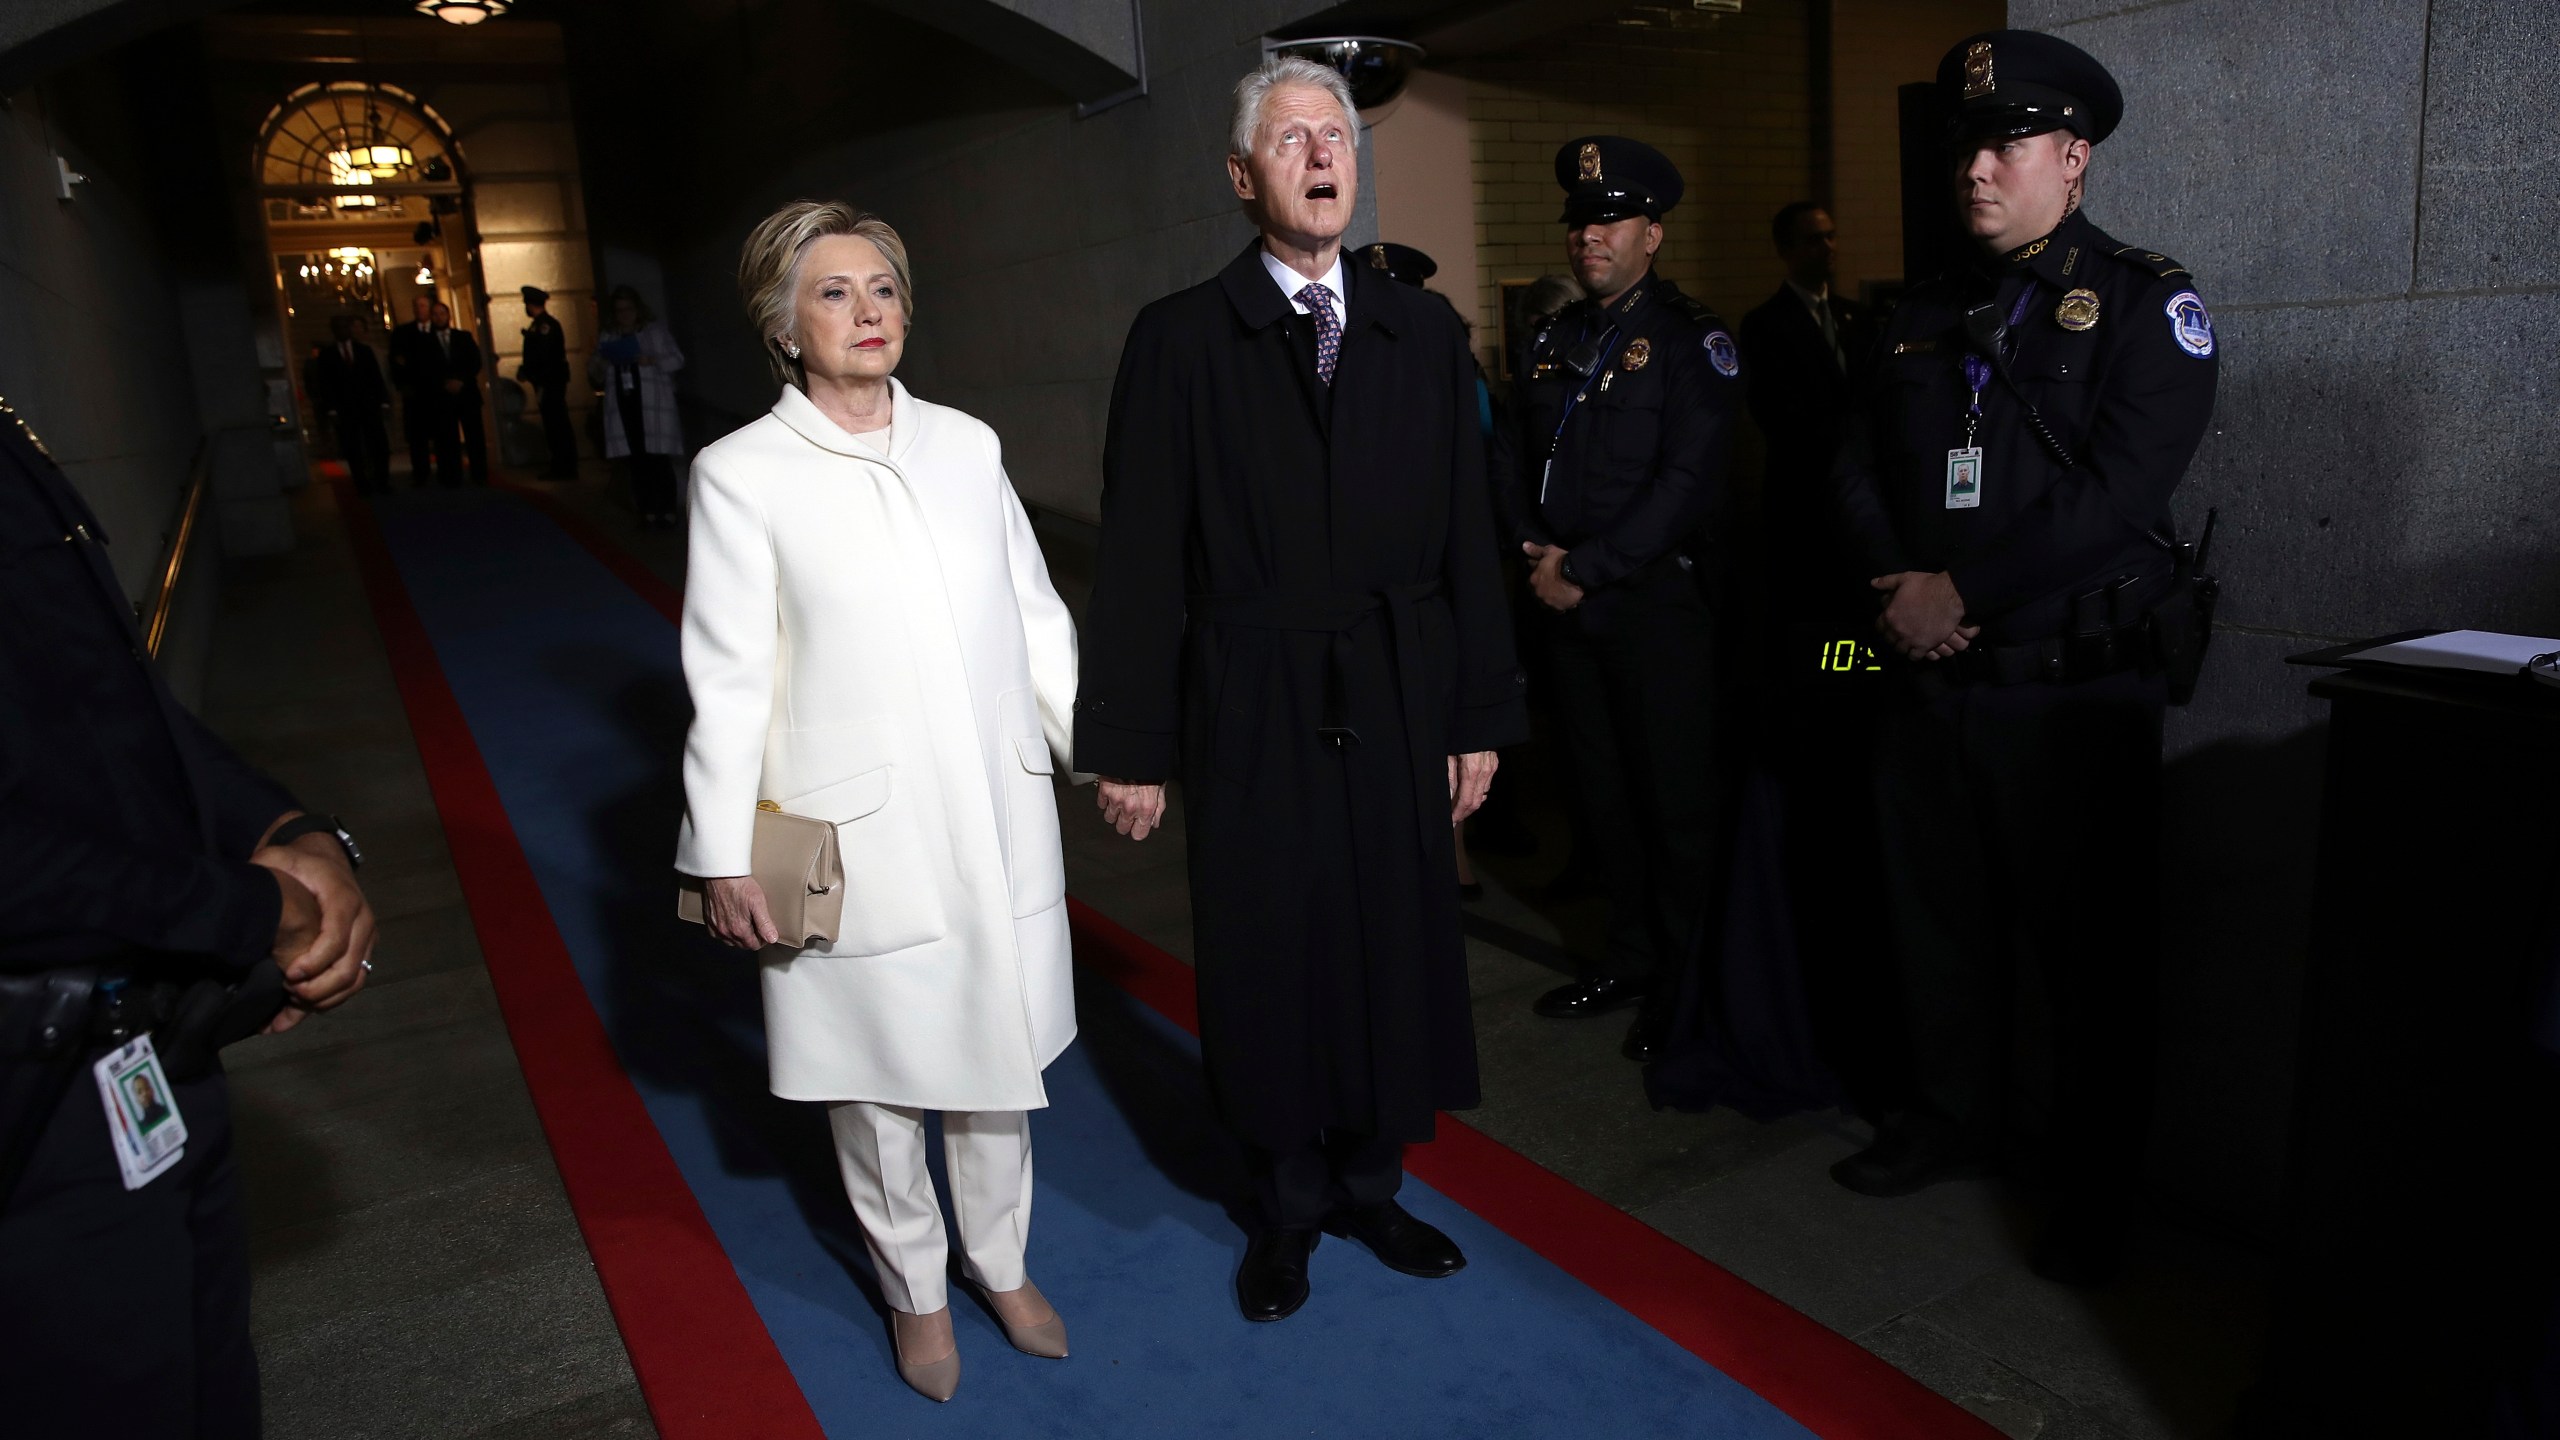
[546,369]
[151,885]
[1620,437]
[2008,489]
[1296,608]
[1804,345]
[449,358]
[413,375]
[345,383]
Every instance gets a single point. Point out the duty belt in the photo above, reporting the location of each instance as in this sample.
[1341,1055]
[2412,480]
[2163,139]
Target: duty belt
[1338,613]
[51,1013]
[2058,659]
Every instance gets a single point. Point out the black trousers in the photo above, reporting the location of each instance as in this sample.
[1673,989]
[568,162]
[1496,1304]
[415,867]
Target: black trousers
[419,410]
[462,440]
[556,430]
[2020,827]
[1298,1188]
[366,448]
[124,1312]
[1635,704]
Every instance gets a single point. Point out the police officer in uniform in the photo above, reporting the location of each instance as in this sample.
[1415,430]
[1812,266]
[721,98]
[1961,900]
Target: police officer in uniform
[2008,489]
[546,368]
[158,899]
[1618,444]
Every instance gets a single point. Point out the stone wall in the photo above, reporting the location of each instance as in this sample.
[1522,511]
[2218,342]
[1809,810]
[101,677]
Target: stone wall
[2366,191]
[1035,236]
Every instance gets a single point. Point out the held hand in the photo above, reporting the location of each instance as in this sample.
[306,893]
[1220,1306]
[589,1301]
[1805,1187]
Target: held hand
[297,923]
[453,387]
[1547,580]
[1132,809]
[1923,615]
[735,906]
[1470,780]
[332,968]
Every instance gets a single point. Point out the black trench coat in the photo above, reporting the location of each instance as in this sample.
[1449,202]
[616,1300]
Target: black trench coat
[1297,606]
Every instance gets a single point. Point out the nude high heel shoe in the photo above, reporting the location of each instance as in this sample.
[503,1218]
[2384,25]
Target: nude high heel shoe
[933,1379]
[1048,1339]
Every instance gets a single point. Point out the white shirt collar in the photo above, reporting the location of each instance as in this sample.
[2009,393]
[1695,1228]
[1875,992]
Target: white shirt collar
[1813,299]
[1291,282]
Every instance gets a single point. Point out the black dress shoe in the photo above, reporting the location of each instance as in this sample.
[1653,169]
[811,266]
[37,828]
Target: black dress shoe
[1272,1283]
[1400,1242]
[1909,1157]
[1585,998]
[1644,1038]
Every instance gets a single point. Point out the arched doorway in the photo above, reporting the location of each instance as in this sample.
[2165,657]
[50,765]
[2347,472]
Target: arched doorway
[367,206]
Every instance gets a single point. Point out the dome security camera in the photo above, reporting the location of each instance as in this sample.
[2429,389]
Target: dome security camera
[1377,68]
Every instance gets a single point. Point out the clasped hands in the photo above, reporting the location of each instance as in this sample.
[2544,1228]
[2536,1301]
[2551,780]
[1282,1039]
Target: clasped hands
[326,930]
[1923,615]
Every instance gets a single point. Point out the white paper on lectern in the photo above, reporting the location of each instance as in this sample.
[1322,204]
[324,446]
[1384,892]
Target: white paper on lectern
[2483,650]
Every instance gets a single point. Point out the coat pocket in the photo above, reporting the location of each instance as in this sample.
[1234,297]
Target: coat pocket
[892,896]
[1035,862]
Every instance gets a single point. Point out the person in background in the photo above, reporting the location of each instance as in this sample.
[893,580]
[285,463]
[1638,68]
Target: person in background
[864,600]
[452,358]
[546,369]
[1805,345]
[413,375]
[1295,601]
[1541,301]
[1622,436]
[345,383]
[159,898]
[634,364]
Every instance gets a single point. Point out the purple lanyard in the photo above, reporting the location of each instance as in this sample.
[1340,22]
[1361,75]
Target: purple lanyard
[1977,369]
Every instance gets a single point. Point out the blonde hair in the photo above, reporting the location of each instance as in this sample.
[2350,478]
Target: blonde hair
[769,268]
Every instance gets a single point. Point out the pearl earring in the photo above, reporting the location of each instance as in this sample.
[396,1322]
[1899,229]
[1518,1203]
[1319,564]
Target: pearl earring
[790,349]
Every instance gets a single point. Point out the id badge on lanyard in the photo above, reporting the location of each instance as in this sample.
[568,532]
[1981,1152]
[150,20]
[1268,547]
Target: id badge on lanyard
[1964,463]
[148,1133]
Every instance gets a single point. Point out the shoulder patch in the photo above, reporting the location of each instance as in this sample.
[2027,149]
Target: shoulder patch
[2151,260]
[2190,325]
[1695,308]
[1722,354]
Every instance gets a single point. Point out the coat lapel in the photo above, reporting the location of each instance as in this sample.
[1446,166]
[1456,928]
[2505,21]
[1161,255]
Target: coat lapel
[1261,306]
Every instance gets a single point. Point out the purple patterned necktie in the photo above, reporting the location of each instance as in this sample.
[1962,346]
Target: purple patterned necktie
[1319,303]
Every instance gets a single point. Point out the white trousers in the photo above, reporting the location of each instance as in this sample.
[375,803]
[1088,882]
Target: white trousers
[880,1150]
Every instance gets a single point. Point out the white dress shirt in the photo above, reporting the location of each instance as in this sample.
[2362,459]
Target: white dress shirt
[1291,282]
[1819,302]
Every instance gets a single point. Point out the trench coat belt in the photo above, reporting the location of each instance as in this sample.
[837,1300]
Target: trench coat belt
[1338,613]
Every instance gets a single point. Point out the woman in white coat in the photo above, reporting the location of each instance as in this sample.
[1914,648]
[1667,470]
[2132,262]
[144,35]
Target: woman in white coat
[871,639]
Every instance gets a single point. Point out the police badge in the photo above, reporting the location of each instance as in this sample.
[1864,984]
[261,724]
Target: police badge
[1977,70]
[1377,257]
[1639,353]
[1590,161]
[2078,311]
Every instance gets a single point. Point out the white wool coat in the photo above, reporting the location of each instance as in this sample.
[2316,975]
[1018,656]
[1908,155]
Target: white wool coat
[875,642]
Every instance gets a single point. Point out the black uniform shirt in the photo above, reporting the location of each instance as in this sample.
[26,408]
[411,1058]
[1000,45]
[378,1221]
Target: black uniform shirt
[125,825]
[546,352]
[1639,462]
[2116,351]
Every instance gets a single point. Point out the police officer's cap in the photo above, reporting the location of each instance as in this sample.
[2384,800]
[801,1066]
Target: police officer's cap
[1400,262]
[1610,177]
[535,295]
[2002,84]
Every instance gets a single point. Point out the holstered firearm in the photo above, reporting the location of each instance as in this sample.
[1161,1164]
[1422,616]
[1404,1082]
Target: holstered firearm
[2182,624]
[44,1030]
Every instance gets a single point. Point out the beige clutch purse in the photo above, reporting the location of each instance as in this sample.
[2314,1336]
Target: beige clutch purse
[801,872]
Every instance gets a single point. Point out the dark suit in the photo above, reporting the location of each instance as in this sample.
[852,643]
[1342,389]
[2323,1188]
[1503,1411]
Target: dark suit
[1800,393]
[125,828]
[1296,609]
[546,368]
[461,439]
[418,404]
[345,384]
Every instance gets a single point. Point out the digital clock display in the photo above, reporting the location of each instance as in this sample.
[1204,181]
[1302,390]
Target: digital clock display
[1847,657]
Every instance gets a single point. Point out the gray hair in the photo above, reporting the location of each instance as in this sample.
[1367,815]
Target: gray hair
[1276,71]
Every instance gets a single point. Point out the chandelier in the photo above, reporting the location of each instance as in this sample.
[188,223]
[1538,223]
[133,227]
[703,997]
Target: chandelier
[347,270]
[464,12]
